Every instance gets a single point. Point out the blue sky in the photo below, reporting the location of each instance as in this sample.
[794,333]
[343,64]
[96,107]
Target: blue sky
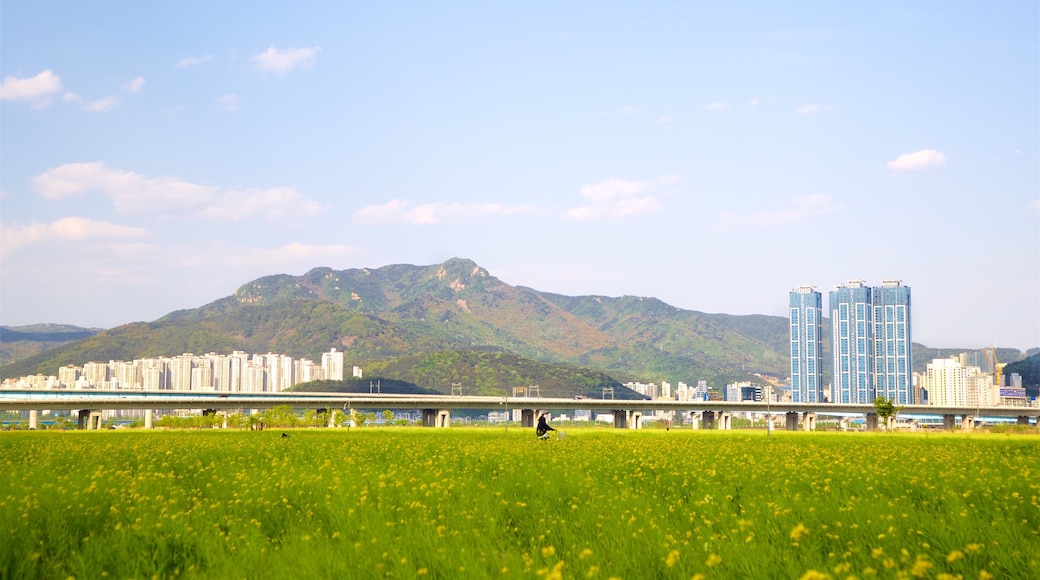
[156,156]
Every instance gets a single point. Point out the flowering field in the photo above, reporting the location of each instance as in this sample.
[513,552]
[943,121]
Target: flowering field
[484,503]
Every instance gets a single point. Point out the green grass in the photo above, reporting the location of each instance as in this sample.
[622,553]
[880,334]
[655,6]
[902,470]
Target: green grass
[481,503]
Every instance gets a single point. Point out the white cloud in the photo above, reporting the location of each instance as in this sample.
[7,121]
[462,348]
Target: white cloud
[283,61]
[70,97]
[812,109]
[135,85]
[628,110]
[804,207]
[665,120]
[227,102]
[755,102]
[192,61]
[14,237]
[400,211]
[1034,207]
[617,198]
[132,193]
[922,159]
[37,90]
[100,105]
[717,106]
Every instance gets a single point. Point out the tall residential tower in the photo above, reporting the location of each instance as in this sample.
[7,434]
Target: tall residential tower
[806,350]
[870,334]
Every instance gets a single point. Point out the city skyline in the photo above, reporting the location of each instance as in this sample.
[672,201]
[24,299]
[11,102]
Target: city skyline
[156,157]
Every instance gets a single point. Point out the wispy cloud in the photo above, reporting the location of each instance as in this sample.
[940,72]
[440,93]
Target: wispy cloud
[923,159]
[135,85]
[227,102]
[812,109]
[400,211]
[665,120]
[100,105]
[14,237]
[720,106]
[755,102]
[284,61]
[628,110]
[1034,207]
[37,90]
[192,61]
[618,198]
[803,208]
[132,193]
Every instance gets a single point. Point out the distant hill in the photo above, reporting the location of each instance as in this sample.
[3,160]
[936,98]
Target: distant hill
[19,342]
[1028,368]
[407,320]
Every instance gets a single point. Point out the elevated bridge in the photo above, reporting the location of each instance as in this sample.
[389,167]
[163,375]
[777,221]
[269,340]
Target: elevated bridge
[437,409]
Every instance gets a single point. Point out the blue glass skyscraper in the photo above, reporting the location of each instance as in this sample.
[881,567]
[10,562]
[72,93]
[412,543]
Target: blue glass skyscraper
[870,333]
[893,363]
[806,348]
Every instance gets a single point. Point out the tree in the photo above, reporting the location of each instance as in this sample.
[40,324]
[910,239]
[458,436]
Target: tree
[885,408]
[388,416]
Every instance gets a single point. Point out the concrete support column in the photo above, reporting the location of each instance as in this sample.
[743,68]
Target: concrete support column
[332,418]
[844,423]
[708,419]
[890,423]
[968,422]
[870,422]
[620,419]
[791,419]
[527,418]
[149,418]
[695,419]
[34,419]
[725,421]
[444,418]
[429,417]
[635,420]
[809,421]
[94,420]
[1023,420]
[949,421]
[81,418]
[223,423]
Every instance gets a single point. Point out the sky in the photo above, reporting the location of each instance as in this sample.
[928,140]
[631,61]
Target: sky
[155,156]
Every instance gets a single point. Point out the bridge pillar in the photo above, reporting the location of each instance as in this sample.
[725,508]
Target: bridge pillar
[708,419]
[33,419]
[94,420]
[332,419]
[223,422]
[443,418]
[809,421]
[968,422]
[527,418]
[791,419]
[949,421]
[635,420]
[695,419]
[1024,420]
[429,417]
[725,422]
[149,417]
[870,422]
[620,419]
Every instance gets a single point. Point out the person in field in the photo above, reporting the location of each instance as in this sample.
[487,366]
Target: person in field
[543,428]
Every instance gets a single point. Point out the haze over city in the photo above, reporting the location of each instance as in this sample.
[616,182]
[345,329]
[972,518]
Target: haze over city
[156,157]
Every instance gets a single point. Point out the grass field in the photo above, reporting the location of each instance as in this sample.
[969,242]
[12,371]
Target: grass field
[452,503]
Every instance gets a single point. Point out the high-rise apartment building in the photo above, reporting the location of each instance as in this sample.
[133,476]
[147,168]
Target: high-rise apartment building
[893,373]
[871,342]
[806,348]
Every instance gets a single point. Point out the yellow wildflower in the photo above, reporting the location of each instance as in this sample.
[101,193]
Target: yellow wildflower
[954,556]
[798,531]
[672,558]
[713,560]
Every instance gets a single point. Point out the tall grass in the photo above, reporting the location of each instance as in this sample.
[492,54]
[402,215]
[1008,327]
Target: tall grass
[482,503]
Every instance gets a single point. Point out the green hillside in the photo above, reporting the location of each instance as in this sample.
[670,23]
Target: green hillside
[425,324]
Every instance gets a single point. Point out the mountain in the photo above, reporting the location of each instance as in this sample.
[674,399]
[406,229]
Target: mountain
[392,317]
[18,342]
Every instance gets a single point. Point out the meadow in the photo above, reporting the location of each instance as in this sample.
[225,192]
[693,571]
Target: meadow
[469,502]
